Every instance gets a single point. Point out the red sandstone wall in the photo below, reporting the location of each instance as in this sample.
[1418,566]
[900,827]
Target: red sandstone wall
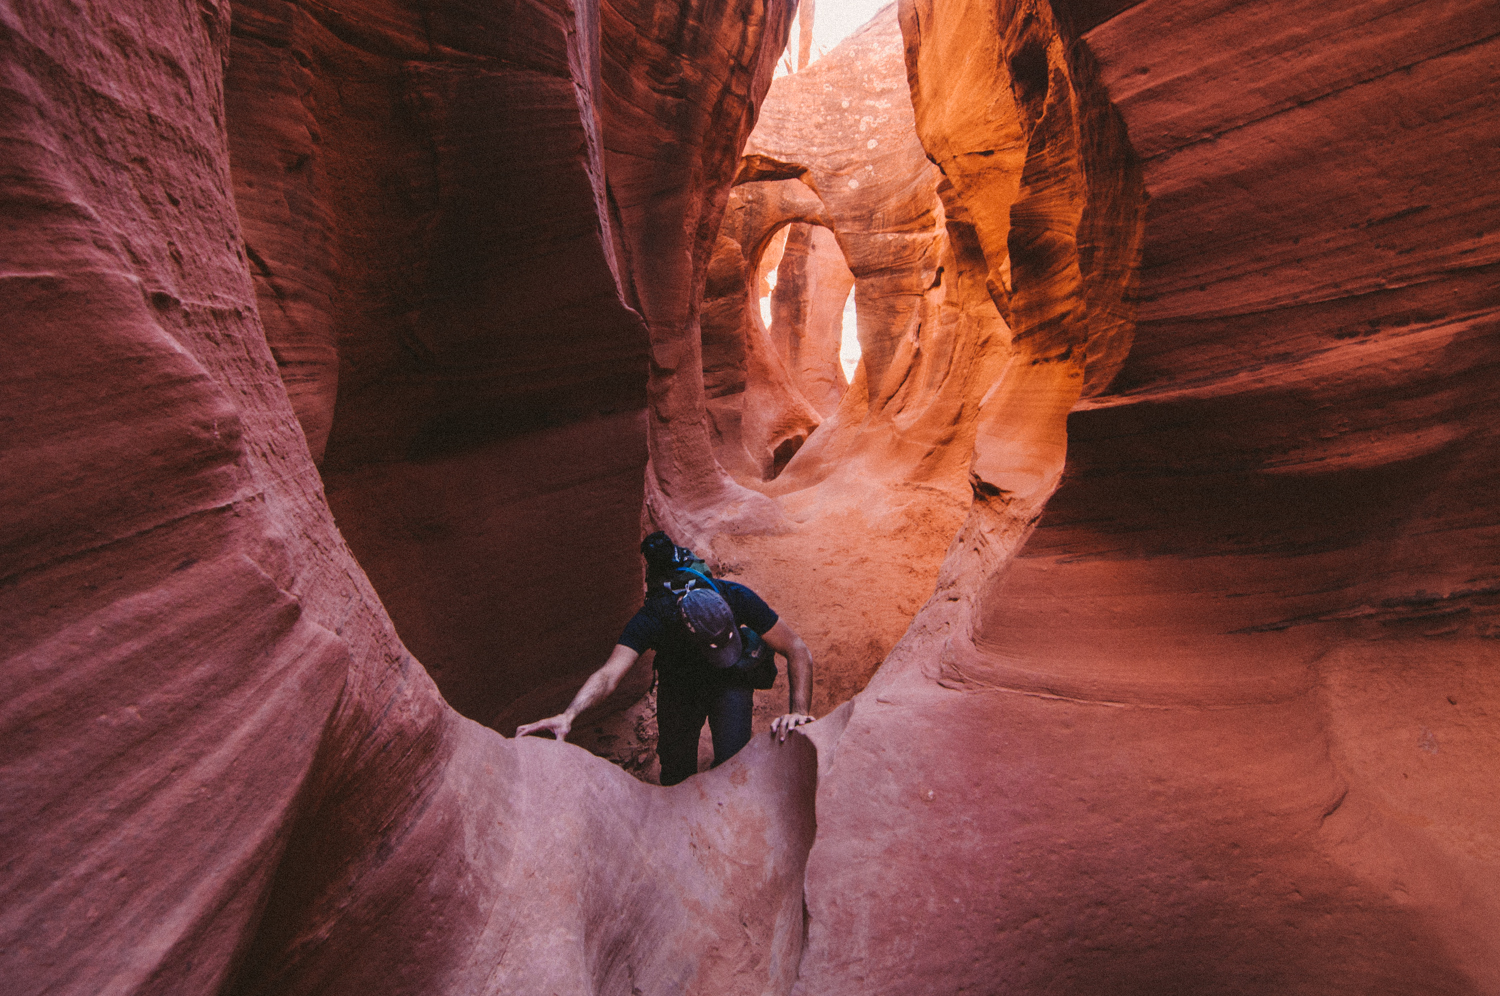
[1224,725]
[676,114]
[466,227]
[426,219]
[221,770]
[838,146]
[807,314]
[754,404]
[1226,712]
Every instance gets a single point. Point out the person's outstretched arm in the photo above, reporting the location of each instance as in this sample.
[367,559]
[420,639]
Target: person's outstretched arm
[600,684]
[799,666]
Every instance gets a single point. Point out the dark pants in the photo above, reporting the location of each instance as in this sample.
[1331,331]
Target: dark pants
[680,712]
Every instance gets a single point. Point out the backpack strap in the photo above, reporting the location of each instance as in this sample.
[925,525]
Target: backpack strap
[680,582]
[704,575]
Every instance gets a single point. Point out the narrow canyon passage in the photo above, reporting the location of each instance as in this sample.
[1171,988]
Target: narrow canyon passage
[1149,554]
[870,482]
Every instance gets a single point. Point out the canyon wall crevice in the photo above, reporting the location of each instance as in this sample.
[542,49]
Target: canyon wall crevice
[419,257]
[669,190]
[875,492]
[434,202]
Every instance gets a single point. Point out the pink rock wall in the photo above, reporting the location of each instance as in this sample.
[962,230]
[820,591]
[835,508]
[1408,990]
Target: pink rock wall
[807,314]
[851,161]
[1224,711]
[435,202]
[222,771]
[755,406]
[1223,724]
[847,120]
[676,114]
[420,256]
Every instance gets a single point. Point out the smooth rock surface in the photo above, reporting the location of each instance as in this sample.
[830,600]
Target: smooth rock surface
[1203,700]
[807,314]
[426,219]
[222,771]
[874,495]
[1177,706]
[682,86]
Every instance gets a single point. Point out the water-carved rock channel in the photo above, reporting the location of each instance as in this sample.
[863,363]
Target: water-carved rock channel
[1104,390]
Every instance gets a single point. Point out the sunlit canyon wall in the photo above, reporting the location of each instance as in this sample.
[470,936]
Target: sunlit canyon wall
[1203,701]
[1224,723]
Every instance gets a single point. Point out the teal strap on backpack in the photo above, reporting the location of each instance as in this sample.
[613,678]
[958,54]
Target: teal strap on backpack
[700,574]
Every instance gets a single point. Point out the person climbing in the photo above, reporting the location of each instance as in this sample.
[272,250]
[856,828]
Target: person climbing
[714,643]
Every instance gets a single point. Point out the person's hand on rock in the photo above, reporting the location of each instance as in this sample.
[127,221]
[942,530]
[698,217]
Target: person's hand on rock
[558,726]
[782,725]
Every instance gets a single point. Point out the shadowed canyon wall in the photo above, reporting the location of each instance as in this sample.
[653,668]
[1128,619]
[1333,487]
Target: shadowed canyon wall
[466,228]
[1204,339]
[222,770]
[419,261]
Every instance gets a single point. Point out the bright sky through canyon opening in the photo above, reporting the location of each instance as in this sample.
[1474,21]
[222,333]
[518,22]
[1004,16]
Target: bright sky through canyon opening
[849,351]
[833,21]
[849,342]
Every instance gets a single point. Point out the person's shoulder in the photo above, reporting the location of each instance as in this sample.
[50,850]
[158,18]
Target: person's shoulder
[644,628]
[735,589]
[749,607]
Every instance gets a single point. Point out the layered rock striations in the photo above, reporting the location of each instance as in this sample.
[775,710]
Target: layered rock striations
[1225,712]
[1202,701]
[756,405]
[467,230]
[875,488]
[222,770]
[807,314]
[426,220]
[836,148]
[681,94]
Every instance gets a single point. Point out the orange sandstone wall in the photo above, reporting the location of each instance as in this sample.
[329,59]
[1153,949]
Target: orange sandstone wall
[807,314]
[1222,724]
[468,228]
[683,86]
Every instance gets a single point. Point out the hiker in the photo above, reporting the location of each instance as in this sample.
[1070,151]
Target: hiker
[715,643]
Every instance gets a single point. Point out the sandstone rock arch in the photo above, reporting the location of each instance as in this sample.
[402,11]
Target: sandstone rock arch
[809,308]
[757,407]
[1049,636]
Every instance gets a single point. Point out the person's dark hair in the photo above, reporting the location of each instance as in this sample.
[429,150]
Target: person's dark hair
[660,552]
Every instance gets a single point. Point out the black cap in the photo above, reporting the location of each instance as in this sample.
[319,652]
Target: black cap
[711,626]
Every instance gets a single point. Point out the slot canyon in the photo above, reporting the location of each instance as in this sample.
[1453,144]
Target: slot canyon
[1105,390]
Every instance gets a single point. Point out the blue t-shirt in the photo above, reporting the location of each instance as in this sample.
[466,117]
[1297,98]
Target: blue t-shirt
[657,627]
